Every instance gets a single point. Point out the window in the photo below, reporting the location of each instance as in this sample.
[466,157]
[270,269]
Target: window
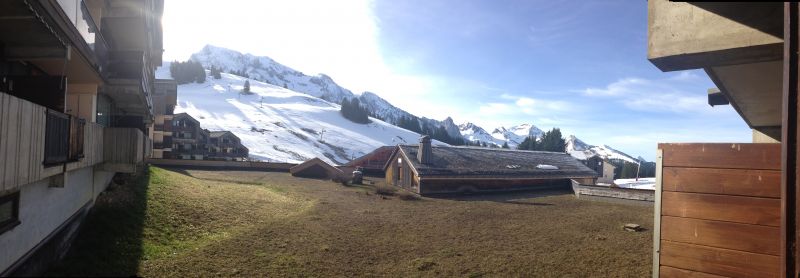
[9,212]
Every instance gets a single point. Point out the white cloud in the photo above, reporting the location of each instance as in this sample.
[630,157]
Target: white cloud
[338,38]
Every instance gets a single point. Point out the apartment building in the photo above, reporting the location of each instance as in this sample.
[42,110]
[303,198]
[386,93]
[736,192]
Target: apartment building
[76,86]
[190,141]
[730,209]
[165,98]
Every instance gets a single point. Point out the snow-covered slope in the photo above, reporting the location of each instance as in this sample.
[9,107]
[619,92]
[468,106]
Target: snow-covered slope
[319,96]
[278,124]
[580,150]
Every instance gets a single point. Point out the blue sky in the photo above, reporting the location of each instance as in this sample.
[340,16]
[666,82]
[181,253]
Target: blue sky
[577,65]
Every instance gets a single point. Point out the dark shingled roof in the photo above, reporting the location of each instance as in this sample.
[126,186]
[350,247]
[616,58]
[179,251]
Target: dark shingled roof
[500,163]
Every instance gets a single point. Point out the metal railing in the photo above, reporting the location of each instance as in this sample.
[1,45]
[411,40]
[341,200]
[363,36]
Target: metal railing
[56,138]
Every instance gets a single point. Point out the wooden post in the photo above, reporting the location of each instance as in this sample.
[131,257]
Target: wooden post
[789,138]
[657,213]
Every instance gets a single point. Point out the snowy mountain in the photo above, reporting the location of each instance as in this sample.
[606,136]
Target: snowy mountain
[297,107]
[269,71]
[279,124]
[513,135]
[474,133]
[580,150]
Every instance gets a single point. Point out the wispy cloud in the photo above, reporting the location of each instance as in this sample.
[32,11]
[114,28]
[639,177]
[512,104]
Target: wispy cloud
[676,94]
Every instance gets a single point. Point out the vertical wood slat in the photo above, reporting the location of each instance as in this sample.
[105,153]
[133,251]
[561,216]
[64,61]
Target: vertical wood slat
[3,116]
[790,135]
[22,125]
[11,145]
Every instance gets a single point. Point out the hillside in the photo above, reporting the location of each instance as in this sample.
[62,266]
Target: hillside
[298,107]
[278,124]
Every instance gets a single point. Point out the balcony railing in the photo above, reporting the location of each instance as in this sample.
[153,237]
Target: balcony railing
[56,138]
[77,127]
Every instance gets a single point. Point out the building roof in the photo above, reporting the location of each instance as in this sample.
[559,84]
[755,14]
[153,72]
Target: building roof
[184,115]
[468,162]
[376,158]
[215,134]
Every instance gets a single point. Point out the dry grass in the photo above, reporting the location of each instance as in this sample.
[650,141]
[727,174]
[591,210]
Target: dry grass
[269,224]
[385,190]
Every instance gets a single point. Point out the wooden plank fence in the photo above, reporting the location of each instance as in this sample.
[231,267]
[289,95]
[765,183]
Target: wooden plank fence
[718,210]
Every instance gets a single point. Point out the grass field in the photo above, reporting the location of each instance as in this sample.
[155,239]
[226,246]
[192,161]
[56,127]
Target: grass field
[239,223]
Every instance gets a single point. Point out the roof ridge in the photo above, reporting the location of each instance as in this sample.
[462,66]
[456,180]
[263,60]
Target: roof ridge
[487,148]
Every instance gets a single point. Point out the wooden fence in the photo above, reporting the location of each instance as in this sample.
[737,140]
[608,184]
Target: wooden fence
[718,210]
[612,192]
[124,149]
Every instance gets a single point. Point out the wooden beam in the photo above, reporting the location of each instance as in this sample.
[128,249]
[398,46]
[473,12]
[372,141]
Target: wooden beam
[758,156]
[789,135]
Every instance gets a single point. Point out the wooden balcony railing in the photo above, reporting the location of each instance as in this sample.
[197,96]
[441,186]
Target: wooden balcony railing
[35,143]
[124,149]
[718,210]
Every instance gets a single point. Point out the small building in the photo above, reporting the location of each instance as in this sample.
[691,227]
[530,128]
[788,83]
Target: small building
[373,162]
[315,168]
[603,167]
[427,169]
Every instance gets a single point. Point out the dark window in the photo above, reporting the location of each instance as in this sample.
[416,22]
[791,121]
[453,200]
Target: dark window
[9,212]
[56,138]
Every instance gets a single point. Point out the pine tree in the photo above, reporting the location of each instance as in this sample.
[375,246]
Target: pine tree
[246,88]
[505,145]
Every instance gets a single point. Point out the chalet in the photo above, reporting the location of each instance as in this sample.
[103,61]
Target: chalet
[427,169]
[315,168]
[76,85]
[189,140]
[731,209]
[224,145]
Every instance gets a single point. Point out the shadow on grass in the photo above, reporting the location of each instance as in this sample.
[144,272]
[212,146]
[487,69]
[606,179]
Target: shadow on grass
[182,171]
[110,243]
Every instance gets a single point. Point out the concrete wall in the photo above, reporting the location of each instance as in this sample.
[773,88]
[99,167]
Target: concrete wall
[685,35]
[43,209]
[246,165]
[612,192]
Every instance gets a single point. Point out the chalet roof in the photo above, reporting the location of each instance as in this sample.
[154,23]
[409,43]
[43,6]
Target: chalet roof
[184,115]
[215,134]
[497,163]
[373,155]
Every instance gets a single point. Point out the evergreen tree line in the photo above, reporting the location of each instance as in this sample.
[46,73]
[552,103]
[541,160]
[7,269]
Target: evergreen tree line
[187,72]
[627,170]
[241,73]
[216,72]
[551,141]
[440,133]
[352,110]
[412,123]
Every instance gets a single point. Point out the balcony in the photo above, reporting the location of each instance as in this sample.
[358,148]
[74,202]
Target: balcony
[124,149]
[130,79]
[42,143]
